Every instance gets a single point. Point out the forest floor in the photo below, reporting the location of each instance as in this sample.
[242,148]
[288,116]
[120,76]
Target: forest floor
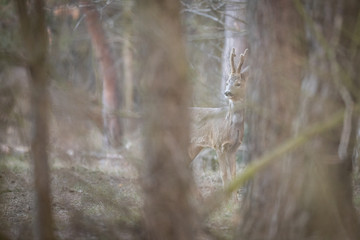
[92,199]
[98,198]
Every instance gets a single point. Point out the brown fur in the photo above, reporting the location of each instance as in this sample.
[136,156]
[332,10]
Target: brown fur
[222,129]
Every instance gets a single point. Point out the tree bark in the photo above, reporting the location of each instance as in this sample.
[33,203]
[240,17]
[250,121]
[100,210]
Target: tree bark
[127,53]
[167,179]
[32,20]
[235,34]
[301,78]
[111,97]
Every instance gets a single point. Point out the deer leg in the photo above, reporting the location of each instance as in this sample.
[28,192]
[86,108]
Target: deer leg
[232,164]
[193,152]
[223,166]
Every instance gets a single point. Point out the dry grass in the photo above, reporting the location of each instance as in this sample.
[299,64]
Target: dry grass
[92,199]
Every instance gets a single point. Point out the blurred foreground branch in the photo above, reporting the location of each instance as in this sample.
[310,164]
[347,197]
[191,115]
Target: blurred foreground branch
[261,163]
[32,20]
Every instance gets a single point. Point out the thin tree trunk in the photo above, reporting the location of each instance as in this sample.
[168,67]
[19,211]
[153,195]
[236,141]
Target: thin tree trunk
[128,74]
[128,67]
[294,83]
[235,34]
[167,179]
[32,20]
[111,97]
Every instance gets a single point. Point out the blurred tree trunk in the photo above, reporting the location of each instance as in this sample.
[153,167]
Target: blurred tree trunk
[7,103]
[301,75]
[128,66]
[235,36]
[32,20]
[167,179]
[111,96]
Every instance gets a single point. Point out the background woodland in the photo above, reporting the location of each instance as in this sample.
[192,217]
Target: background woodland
[95,120]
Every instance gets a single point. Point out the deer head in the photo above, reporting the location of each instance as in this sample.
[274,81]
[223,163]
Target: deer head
[236,83]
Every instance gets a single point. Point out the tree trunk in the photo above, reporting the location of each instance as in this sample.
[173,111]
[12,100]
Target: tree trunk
[127,53]
[32,20]
[167,179]
[299,77]
[235,34]
[111,98]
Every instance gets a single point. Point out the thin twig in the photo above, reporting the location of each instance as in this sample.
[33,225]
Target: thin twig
[204,15]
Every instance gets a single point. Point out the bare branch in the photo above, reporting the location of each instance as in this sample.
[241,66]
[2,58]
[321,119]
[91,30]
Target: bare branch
[204,15]
[12,58]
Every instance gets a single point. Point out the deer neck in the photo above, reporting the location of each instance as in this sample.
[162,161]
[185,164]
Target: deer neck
[236,107]
[235,114]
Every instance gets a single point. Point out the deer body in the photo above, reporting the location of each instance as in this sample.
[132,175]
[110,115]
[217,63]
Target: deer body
[222,129]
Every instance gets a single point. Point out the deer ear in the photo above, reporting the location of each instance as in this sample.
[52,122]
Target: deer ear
[242,59]
[232,64]
[245,73]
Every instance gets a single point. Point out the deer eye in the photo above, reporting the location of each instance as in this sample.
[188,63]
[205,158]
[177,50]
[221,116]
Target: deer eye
[237,84]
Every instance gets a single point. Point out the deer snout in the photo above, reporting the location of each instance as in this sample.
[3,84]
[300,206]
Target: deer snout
[228,94]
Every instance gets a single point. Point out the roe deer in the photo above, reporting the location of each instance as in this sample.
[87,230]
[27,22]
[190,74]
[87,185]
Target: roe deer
[222,129]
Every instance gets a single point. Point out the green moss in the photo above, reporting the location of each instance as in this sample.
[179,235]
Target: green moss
[14,163]
[357,201]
